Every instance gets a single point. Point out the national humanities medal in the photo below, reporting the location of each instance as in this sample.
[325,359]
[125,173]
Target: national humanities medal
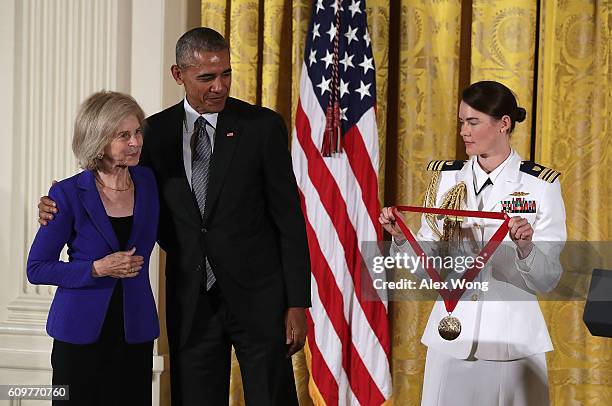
[450,326]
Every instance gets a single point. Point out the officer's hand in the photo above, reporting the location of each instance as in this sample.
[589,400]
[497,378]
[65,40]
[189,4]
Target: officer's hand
[521,233]
[387,220]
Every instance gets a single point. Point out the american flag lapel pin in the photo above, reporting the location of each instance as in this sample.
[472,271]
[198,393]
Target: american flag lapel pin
[230,134]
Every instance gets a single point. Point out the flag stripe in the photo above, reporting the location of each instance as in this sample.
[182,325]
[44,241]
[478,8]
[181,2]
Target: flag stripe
[361,165]
[356,198]
[328,388]
[336,209]
[367,125]
[330,347]
[328,243]
[367,228]
[339,197]
[332,300]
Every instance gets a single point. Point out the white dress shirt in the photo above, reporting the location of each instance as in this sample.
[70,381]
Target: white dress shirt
[480,177]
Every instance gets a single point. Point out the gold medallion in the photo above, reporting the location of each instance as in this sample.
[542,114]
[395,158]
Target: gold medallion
[449,328]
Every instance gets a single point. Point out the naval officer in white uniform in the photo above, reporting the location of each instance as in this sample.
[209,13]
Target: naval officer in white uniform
[499,356]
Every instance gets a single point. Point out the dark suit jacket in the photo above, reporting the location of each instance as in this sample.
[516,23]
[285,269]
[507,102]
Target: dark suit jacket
[253,233]
[80,303]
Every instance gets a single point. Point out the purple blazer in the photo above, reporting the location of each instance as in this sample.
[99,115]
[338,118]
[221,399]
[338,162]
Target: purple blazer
[81,301]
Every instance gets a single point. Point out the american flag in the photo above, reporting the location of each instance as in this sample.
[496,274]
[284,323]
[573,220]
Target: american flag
[348,338]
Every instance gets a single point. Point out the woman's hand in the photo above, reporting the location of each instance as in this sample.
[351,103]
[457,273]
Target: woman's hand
[121,264]
[521,233]
[387,220]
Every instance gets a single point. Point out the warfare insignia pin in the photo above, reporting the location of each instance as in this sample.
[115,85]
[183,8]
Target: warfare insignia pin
[519,194]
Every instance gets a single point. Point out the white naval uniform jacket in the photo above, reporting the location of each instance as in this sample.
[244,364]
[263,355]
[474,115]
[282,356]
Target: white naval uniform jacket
[494,328]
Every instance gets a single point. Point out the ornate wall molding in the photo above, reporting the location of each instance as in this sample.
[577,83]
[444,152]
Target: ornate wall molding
[64,51]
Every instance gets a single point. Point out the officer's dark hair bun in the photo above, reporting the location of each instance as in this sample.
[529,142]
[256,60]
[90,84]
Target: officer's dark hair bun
[520,115]
[494,99]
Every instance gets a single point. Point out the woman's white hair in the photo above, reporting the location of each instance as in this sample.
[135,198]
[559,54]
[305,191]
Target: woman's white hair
[97,122]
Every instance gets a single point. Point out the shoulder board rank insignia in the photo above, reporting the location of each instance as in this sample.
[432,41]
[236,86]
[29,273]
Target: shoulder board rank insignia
[539,171]
[445,165]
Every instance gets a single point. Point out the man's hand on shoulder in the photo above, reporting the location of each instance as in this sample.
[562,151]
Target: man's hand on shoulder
[295,329]
[46,209]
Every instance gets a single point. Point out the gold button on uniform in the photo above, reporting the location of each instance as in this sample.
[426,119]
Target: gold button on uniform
[474,297]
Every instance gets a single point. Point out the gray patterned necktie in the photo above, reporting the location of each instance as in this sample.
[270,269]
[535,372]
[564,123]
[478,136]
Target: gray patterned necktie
[200,168]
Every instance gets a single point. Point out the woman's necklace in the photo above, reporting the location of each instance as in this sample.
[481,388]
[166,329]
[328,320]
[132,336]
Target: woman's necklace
[116,190]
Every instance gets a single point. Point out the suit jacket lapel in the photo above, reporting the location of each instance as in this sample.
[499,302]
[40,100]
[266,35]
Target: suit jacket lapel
[227,134]
[174,144]
[90,199]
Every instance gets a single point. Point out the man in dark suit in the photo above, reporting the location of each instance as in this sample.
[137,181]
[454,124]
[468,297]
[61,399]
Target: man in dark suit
[237,268]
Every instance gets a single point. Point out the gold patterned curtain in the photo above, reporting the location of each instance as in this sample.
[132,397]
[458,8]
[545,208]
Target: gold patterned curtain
[555,55]
[574,126]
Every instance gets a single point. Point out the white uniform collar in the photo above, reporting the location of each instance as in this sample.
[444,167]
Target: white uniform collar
[480,176]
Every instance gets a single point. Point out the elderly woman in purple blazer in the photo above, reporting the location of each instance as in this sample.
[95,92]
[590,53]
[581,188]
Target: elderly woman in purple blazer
[103,318]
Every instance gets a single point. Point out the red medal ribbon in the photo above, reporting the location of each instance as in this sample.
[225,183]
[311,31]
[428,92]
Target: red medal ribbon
[451,298]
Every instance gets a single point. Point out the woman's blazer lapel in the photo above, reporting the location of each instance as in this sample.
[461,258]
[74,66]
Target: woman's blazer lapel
[90,199]
[141,197]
